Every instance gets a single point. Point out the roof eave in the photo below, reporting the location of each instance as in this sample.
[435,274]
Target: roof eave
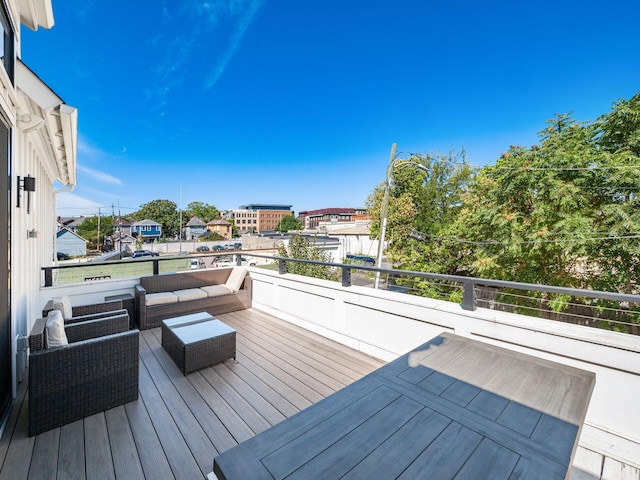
[36,14]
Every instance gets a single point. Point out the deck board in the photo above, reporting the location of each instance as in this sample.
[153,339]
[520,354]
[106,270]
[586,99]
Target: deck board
[180,423]
[325,441]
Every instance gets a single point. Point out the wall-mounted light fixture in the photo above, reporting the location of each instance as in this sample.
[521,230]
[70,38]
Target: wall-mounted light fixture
[33,233]
[28,184]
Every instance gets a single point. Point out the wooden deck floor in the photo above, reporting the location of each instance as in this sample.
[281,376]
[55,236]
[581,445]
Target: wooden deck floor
[179,424]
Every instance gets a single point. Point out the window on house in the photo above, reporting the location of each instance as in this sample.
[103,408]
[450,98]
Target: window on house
[7,39]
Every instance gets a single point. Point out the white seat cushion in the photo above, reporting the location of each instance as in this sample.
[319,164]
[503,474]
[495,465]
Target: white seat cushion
[190,294]
[160,298]
[56,336]
[236,277]
[217,290]
[64,305]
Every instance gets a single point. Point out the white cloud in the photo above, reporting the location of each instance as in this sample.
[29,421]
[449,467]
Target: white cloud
[103,177]
[244,12]
[71,205]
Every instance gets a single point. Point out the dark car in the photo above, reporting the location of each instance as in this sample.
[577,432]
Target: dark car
[62,256]
[202,248]
[218,247]
[143,253]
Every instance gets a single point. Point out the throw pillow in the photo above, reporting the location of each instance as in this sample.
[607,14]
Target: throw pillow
[63,304]
[236,277]
[56,336]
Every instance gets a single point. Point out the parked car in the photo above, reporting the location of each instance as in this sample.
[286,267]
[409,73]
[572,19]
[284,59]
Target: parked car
[62,256]
[362,259]
[144,253]
[196,263]
[218,247]
[202,248]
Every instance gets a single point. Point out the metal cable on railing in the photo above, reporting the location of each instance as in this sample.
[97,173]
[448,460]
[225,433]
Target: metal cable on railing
[600,312]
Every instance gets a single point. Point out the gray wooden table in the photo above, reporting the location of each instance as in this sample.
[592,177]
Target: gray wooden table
[451,408]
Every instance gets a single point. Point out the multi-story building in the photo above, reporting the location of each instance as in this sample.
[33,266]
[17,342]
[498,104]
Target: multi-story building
[258,218]
[311,219]
[147,230]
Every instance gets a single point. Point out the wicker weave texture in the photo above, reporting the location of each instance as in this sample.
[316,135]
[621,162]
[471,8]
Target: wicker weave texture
[82,310]
[83,378]
[152,316]
[196,355]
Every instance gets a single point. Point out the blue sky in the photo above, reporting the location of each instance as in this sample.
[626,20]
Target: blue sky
[298,102]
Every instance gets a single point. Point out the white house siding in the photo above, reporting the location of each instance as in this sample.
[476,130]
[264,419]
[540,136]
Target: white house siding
[47,153]
[71,244]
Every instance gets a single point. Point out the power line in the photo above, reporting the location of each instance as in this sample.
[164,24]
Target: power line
[421,236]
[609,167]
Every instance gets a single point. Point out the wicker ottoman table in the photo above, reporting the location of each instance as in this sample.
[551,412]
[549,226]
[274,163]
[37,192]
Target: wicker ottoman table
[194,343]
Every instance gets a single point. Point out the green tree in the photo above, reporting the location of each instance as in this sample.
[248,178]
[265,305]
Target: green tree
[529,217]
[564,212]
[288,222]
[423,204]
[88,230]
[203,211]
[302,248]
[616,193]
[164,212]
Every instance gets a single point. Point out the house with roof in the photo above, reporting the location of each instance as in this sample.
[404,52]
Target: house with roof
[146,230]
[221,227]
[70,243]
[194,228]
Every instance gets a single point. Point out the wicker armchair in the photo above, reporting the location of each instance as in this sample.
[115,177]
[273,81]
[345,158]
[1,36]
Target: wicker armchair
[81,313]
[96,371]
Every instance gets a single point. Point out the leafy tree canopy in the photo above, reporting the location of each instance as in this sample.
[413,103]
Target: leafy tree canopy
[88,230]
[423,203]
[302,248]
[203,211]
[164,212]
[288,222]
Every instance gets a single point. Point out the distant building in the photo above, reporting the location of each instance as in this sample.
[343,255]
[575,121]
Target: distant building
[122,225]
[221,227]
[70,223]
[194,228]
[258,218]
[70,243]
[147,230]
[311,219]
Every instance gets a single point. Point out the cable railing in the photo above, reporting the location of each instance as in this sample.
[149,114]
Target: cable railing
[593,308]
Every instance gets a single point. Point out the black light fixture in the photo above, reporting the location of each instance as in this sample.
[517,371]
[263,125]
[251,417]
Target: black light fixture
[28,184]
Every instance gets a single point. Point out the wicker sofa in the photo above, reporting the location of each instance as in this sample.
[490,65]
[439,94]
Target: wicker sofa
[96,371]
[172,294]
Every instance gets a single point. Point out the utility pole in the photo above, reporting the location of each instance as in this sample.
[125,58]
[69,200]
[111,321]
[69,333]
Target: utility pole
[180,228]
[383,213]
[98,241]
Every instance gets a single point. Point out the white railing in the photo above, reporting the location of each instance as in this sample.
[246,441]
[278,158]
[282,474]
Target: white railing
[386,324]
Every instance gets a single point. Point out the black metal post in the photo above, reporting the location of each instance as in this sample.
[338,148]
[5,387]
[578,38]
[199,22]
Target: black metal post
[469,296]
[346,277]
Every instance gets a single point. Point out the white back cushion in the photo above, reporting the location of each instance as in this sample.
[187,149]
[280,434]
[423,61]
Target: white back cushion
[56,336]
[234,282]
[64,305]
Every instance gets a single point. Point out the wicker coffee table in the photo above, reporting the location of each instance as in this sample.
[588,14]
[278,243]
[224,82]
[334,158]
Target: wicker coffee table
[197,341]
